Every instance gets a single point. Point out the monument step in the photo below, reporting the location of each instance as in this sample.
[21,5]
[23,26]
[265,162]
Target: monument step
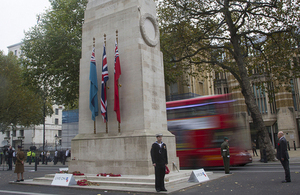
[173,179]
[127,178]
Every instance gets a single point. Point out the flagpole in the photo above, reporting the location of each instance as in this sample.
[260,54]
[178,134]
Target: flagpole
[119,126]
[95,118]
[106,124]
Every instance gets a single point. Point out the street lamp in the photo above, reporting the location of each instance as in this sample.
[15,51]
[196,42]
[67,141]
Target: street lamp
[56,137]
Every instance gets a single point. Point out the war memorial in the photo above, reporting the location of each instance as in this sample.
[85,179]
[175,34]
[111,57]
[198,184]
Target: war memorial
[123,148]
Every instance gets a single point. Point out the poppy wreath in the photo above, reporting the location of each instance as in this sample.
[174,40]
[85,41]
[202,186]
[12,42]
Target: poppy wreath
[85,182]
[77,173]
[109,174]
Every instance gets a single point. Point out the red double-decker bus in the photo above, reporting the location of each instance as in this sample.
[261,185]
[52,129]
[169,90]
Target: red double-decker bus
[200,125]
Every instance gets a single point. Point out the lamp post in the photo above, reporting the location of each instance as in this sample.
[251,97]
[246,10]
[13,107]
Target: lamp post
[56,141]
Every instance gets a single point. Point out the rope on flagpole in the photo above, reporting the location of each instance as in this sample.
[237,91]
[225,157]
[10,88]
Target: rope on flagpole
[94,40]
[119,85]
[106,122]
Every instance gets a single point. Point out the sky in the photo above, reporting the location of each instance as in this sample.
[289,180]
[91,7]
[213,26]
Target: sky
[17,16]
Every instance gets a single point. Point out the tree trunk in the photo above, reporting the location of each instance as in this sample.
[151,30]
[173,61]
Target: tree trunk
[263,135]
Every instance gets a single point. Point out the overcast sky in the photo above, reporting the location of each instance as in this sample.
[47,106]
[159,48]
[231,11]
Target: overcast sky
[17,16]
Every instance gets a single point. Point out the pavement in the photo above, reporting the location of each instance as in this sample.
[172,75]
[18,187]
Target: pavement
[254,178]
[294,156]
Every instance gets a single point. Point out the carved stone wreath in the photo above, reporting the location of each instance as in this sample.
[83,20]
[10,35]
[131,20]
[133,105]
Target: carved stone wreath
[147,39]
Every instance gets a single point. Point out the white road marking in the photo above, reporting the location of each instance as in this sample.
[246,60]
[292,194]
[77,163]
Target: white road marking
[23,193]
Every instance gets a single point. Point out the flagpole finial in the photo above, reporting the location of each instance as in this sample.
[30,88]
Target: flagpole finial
[94,40]
[117,36]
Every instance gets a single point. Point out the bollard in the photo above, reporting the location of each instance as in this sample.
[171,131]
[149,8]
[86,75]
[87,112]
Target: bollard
[294,145]
[288,145]
[35,164]
[265,156]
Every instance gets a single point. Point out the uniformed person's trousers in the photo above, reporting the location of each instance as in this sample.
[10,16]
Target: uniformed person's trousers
[160,171]
[226,161]
[285,163]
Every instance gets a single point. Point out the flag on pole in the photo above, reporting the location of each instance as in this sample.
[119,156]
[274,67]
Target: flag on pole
[93,87]
[117,73]
[103,91]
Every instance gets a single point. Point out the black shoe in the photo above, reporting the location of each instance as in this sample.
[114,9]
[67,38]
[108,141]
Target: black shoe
[17,181]
[164,189]
[228,173]
[157,190]
[285,181]
[22,180]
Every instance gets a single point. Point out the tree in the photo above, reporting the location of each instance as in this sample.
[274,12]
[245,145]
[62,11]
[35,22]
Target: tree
[19,105]
[52,51]
[236,36]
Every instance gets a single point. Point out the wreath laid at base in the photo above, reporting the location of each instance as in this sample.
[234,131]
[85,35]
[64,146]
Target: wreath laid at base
[85,182]
[77,173]
[109,175]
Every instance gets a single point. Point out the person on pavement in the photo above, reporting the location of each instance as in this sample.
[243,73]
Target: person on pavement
[10,152]
[20,164]
[283,156]
[254,148]
[225,154]
[160,160]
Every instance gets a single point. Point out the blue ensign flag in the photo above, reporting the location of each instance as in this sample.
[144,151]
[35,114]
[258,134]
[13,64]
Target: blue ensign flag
[93,87]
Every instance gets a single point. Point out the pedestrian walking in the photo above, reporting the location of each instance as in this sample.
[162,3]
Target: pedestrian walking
[225,154]
[55,157]
[254,148]
[160,160]
[66,155]
[283,156]
[48,156]
[14,157]
[19,168]
[10,152]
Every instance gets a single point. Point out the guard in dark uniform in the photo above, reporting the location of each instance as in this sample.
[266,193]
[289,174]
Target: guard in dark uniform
[283,156]
[160,160]
[226,155]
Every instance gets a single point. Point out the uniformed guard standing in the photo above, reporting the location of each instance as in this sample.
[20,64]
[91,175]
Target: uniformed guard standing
[160,160]
[225,155]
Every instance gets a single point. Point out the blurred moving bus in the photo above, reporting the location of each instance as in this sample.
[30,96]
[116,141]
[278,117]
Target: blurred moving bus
[200,125]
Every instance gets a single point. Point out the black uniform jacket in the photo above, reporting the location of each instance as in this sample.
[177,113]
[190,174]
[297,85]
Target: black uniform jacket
[159,154]
[282,149]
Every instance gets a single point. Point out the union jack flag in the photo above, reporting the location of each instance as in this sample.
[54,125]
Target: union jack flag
[103,91]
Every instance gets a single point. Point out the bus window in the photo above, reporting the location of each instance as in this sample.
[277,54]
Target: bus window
[197,111]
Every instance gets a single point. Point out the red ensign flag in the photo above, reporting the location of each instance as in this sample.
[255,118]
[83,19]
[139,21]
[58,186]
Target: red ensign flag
[117,76]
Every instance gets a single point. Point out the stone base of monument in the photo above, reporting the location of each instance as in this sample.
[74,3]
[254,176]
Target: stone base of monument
[127,153]
[174,181]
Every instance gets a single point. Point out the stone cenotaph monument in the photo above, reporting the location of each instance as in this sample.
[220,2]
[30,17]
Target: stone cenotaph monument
[142,93]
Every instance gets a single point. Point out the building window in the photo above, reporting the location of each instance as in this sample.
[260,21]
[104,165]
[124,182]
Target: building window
[56,111]
[22,133]
[16,52]
[14,134]
[219,91]
[260,98]
[225,90]
[59,133]
[7,133]
[56,121]
[271,96]
[295,95]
